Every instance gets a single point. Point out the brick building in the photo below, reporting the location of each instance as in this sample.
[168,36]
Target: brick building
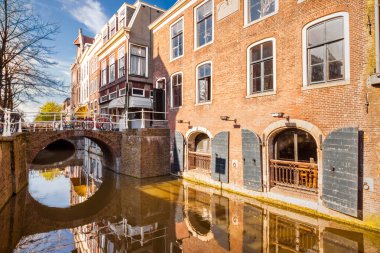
[276,99]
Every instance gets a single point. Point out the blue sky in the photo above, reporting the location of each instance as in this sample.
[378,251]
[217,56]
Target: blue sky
[70,15]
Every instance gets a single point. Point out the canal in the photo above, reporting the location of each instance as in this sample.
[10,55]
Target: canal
[74,203]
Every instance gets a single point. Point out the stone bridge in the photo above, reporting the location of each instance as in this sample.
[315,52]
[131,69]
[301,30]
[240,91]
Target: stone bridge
[140,153]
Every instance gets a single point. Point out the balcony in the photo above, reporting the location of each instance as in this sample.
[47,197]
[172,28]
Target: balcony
[296,175]
[201,161]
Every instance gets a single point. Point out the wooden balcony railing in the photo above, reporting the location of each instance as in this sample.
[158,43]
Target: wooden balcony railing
[199,161]
[291,174]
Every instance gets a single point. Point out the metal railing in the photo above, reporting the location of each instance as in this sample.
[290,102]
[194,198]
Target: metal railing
[15,121]
[199,161]
[298,175]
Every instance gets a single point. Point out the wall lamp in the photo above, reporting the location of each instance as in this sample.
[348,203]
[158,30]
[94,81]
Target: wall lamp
[180,121]
[280,115]
[227,118]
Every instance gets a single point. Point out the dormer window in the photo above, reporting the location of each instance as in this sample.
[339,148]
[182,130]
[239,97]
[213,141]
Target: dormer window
[113,27]
[121,18]
[105,35]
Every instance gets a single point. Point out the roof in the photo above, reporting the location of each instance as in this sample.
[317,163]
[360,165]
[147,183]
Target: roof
[174,8]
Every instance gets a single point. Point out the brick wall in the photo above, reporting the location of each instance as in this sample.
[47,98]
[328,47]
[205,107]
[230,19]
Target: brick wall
[328,108]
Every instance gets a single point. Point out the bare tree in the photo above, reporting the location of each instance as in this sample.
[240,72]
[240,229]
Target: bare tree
[25,57]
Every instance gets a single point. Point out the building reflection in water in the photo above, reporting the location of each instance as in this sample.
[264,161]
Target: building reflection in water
[170,215]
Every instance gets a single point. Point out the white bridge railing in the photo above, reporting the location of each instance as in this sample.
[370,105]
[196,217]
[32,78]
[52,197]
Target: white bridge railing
[14,121]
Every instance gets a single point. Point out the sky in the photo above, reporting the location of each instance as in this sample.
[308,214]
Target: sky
[70,15]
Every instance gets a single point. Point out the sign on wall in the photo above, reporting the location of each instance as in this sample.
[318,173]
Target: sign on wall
[226,8]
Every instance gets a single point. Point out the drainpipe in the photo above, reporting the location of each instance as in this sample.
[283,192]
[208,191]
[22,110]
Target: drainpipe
[377,36]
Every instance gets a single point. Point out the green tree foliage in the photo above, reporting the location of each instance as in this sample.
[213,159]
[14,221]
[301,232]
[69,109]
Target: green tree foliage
[48,110]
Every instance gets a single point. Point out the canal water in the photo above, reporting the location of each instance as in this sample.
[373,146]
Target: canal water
[74,203]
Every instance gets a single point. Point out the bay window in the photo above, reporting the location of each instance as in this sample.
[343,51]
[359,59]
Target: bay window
[176,90]
[138,58]
[204,24]
[204,83]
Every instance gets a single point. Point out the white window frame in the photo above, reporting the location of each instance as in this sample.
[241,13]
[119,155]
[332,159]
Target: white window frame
[196,47]
[347,69]
[122,48]
[138,95]
[263,93]
[104,98]
[101,73]
[121,91]
[246,13]
[112,57]
[171,89]
[196,84]
[111,94]
[183,38]
[146,58]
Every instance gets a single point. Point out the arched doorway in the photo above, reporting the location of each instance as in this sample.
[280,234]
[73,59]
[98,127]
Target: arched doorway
[199,152]
[294,162]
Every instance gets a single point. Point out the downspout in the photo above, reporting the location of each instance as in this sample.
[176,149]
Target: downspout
[377,36]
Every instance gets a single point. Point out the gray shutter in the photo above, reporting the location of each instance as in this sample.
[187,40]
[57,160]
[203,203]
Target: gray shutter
[220,220]
[252,163]
[178,152]
[219,159]
[341,171]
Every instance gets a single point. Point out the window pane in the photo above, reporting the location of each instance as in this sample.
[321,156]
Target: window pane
[140,51]
[255,10]
[256,70]
[268,67]
[267,49]
[268,82]
[268,7]
[334,29]
[179,79]
[204,10]
[202,90]
[201,33]
[317,55]
[285,146]
[256,53]
[208,35]
[335,51]
[316,35]
[256,85]
[336,70]
[317,73]
[207,69]
[307,147]
[180,44]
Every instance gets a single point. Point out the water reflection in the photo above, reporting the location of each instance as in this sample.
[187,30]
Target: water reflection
[68,182]
[164,215]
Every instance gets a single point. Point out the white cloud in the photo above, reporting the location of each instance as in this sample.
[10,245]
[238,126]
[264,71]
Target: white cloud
[88,12]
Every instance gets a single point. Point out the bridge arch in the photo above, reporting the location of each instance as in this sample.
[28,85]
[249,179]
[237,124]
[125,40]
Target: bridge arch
[109,142]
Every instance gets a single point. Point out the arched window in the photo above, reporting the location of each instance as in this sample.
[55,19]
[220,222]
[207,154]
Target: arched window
[295,145]
[202,144]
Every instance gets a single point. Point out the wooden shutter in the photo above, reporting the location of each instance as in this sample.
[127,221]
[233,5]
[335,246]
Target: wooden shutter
[178,152]
[252,160]
[340,185]
[219,159]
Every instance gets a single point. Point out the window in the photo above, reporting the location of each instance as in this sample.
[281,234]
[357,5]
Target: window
[105,35]
[113,95]
[325,50]
[121,62]
[204,26]
[176,92]
[177,39]
[122,18]
[122,92]
[326,54]
[204,83]
[261,67]
[138,92]
[104,73]
[113,27]
[138,60]
[257,9]
[112,68]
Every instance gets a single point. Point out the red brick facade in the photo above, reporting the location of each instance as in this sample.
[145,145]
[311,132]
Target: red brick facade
[319,110]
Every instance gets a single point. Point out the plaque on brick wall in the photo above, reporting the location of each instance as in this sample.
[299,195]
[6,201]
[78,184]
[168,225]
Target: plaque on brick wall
[226,8]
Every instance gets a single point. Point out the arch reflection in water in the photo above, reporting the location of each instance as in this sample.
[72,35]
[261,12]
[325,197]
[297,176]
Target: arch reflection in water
[70,181]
